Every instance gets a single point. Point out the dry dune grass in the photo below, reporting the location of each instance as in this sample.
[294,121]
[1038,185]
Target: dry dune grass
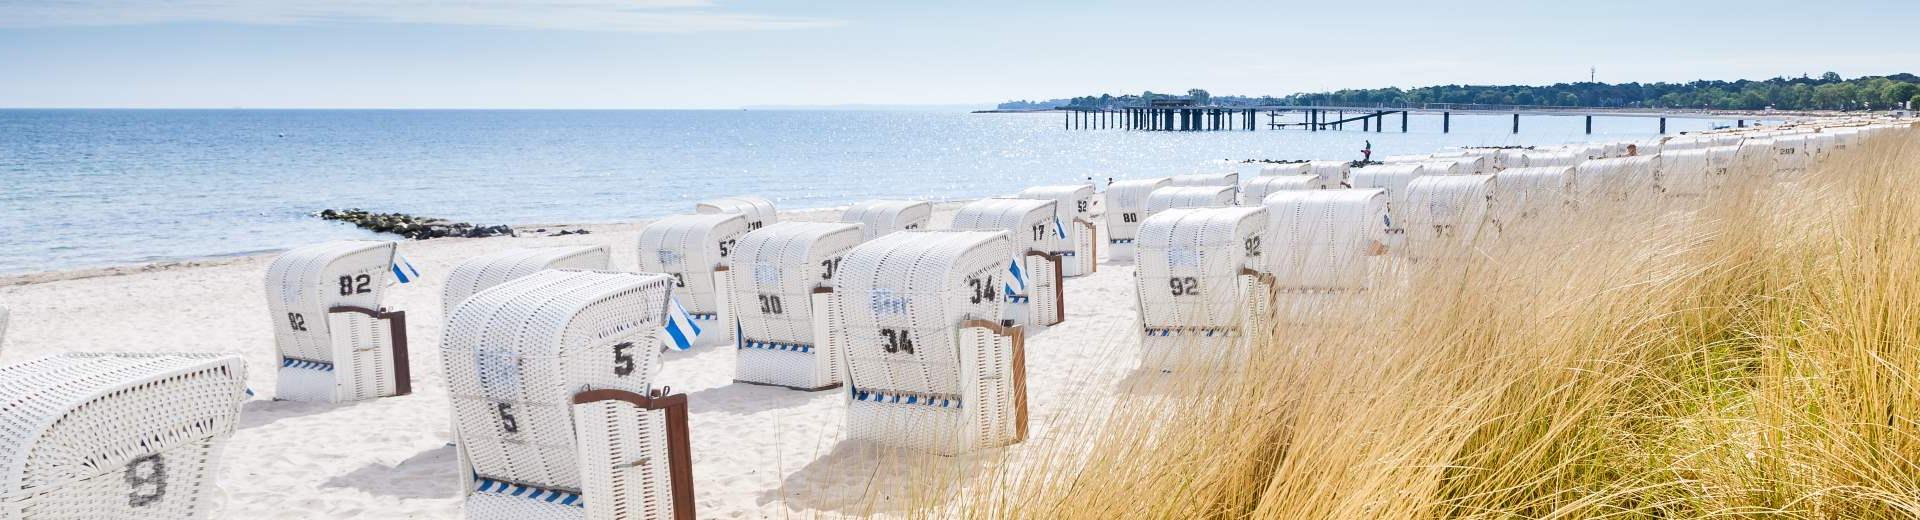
[1750,354]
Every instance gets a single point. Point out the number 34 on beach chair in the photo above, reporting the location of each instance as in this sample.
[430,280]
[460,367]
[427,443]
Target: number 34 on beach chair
[336,342]
[550,377]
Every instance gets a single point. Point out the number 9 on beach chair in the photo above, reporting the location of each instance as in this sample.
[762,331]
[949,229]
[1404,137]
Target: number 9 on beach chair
[1073,214]
[488,270]
[1202,287]
[879,218]
[782,282]
[693,249]
[1033,286]
[927,367]
[336,342]
[1126,203]
[550,377]
[758,211]
[115,435]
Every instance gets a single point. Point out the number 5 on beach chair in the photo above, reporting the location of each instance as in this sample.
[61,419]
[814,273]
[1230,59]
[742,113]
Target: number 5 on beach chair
[550,377]
[927,368]
[1204,293]
[336,342]
[782,283]
[1032,282]
[116,435]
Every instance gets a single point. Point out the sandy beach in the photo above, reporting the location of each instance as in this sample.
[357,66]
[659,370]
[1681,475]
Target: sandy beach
[758,451]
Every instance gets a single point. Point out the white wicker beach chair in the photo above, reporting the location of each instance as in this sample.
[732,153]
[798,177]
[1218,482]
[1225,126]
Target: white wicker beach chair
[1320,241]
[1126,206]
[1189,197]
[759,211]
[1285,169]
[1394,179]
[1073,213]
[927,366]
[1257,188]
[1468,165]
[3,327]
[1202,287]
[879,218]
[1618,181]
[782,283]
[336,342]
[1792,154]
[1228,179]
[1684,174]
[1447,215]
[104,436]
[551,380]
[1332,174]
[1039,252]
[1534,192]
[488,270]
[693,249]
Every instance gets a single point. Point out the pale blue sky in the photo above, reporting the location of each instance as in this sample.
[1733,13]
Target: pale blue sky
[721,53]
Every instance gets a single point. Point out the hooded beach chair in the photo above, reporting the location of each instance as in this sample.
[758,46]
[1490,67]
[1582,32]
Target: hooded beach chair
[1203,291]
[336,342]
[1230,180]
[929,366]
[1257,188]
[1394,179]
[1618,182]
[1323,247]
[1684,174]
[1189,197]
[759,211]
[879,218]
[480,272]
[782,283]
[1073,214]
[1534,192]
[1034,289]
[1126,206]
[551,380]
[85,436]
[1332,174]
[1446,216]
[693,249]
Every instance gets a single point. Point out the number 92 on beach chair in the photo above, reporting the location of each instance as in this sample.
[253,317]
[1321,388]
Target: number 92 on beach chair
[927,367]
[336,342]
[782,283]
[550,377]
[115,435]
[1203,292]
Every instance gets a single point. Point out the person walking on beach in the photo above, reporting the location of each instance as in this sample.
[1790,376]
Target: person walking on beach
[1366,154]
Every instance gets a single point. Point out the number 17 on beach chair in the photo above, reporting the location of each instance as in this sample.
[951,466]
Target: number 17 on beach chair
[336,342]
[550,377]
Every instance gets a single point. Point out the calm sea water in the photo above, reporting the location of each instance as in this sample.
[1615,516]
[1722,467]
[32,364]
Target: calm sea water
[86,188]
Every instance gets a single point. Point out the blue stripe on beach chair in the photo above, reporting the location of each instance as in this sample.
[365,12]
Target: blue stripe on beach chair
[768,345]
[552,496]
[305,364]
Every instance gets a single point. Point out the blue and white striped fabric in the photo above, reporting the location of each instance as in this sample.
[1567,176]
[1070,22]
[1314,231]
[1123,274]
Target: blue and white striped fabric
[768,345]
[495,487]
[1059,228]
[403,270]
[1018,282]
[306,365]
[681,330]
[881,397]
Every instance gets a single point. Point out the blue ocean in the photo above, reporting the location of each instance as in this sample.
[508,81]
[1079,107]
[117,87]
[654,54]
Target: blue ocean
[91,188]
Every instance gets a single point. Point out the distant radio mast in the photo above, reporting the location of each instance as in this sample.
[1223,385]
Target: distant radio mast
[1592,74]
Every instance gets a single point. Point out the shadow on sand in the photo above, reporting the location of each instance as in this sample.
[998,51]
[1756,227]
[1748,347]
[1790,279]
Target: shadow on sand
[428,474]
[860,478]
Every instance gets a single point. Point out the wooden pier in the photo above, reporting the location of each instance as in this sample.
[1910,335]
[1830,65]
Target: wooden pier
[1318,118]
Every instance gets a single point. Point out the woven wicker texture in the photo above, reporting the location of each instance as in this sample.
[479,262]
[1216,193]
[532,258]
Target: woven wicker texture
[1467,165]
[758,211]
[884,217]
[516,353]
[690,248]
[1447,214]
[107,436]
[1332,174]
[1228,179]
[495,268]
[1194,298]
[1126,206]
[1189,197]
[1791,155]
[1073,211]
[331,356]
[1285,170]
[1544,158]
[1620,180]
[1030,227]
[774,273]
[1321,240]
[1257,188]
[914,378]
[1684,173]
[1390,177]
[1533,191]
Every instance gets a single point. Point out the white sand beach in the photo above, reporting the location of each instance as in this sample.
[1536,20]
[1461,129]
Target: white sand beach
[759,451]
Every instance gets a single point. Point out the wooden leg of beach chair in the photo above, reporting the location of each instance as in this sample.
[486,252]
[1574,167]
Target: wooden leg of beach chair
[826,350]
[370,353]
[635,455]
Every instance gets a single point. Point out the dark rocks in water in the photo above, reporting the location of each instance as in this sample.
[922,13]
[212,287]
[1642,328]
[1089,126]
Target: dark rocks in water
[1362,164]
[1273,161]
[414,227]
[565,232]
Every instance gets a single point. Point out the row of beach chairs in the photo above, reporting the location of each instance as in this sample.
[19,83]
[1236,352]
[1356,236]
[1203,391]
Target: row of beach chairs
[552,357]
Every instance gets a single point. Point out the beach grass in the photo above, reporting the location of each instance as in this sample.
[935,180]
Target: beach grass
[1752,353]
